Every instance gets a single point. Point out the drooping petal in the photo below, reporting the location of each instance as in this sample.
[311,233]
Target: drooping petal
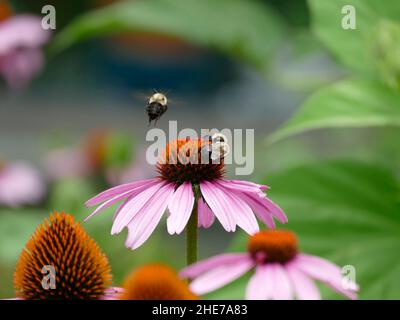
[244,185]
[269,282]
[206,216]
[146,220]
[220,276]
[260,210]
[180,208]
[198,268]
[273,208]
[327,272]
[108,203]
[260,285]
[218,203]
[282,288]
[133,206]
[121,206]
[303,286]
[115,191]
[242,213]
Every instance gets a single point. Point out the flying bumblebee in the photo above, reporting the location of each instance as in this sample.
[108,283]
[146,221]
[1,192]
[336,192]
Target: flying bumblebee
[157,105]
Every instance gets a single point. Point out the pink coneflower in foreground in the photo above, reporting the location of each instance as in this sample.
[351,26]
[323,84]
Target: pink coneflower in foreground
[20,184]
[281,272]
[180,185]
[21,39]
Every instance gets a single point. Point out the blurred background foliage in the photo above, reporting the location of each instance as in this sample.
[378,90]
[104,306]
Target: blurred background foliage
[237,64]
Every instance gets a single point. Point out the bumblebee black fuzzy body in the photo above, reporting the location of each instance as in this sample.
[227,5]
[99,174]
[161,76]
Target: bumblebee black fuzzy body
[156,107]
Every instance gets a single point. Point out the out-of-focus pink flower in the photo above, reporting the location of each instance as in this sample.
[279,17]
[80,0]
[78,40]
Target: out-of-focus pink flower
[21,57]
[20,184]
[139,169]
[281,272]
[232,202]
[83,160]
[67,163]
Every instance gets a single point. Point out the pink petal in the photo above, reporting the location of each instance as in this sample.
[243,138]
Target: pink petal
[283,288]
[244,185]
[218,203]
[220,276]
[275,209]
[325,271]
[260,285]
[22,31]
[269,205]
[206,216]
[303,286]
[109,203]
[133,206]
[112,192]
[144,223]
[121,206]
[180,208]
[269,282]
[112,293]
[200,267]
[243,214]
[259,209]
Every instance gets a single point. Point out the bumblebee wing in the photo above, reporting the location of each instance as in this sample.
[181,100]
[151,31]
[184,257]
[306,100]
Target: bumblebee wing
[174,101]
[140,96]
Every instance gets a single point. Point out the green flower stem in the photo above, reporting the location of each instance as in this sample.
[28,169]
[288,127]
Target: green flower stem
[191,231]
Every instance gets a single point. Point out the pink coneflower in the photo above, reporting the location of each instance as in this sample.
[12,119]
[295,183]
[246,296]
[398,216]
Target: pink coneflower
[20,184]
[281,272]
[182,185]
[21,39]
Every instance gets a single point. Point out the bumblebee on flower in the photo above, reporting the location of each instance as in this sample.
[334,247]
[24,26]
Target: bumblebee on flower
[191,191]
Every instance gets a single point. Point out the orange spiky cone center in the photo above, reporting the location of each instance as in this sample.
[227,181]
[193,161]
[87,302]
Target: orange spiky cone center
[273,246]
[81,269]
[156,282]
[184,160]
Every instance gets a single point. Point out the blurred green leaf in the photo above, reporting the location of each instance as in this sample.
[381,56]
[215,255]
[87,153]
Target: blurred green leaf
[248,30]
[16,226]
[354,48]
[70,195]
[119,150]
[348,103]
[348,212]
